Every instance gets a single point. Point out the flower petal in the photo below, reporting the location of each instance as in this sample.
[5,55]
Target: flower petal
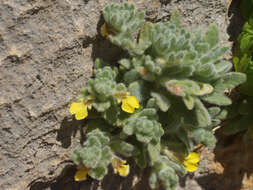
[76,107]
[192,158]
[126,107]
[81,175]
[82,114]
[129,104]
[133,101]
[191,167]
[123,161]
[123,170]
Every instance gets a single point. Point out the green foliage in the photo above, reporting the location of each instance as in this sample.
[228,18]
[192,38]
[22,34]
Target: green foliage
[173,73]
[124,20]
[247,8]
[95,154]
[243,59]
[144,126]
[240,117]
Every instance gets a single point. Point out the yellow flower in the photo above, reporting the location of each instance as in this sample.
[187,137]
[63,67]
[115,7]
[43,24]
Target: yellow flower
[79,109]
[129,103]
[81,173]
[120,167]
[191,162]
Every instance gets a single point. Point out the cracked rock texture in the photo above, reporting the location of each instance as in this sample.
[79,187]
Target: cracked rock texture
[47,50]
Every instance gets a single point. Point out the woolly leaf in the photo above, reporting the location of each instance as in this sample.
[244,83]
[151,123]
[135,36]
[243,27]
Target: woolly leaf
[144,129]
[222,115]
[106,155]
[205,137]
[99,172]
[94,151]
[123,148]
[178,167]
[212,35]
[141,159]
[189,102]
[144,40]
[152,103]
[123,18]
[223,67]
[131,76]
[202,114]
[125,64]
[214,111]
[179,71]
[154,152]
[168,177]
[101,106]
[217,98]
[162,102]
[111,114]
[229,81]
[139,90]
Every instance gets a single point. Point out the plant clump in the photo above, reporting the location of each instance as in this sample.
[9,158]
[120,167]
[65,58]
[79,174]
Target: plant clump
[165,97]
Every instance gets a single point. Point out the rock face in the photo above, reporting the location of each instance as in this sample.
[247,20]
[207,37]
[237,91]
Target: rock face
[47,49]
[43,65]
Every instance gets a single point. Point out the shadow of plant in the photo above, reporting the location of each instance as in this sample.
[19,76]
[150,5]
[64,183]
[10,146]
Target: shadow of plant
[236,22]
[232,167]
[134,181]
[64,182]
[102,48]
[68,128]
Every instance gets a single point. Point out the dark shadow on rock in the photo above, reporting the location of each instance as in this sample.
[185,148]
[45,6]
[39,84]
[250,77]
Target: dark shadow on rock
[182,180]
[235,155]
[68,128]
[143,182]
[113,181]
[134,181]
[215,181]
[64,182]
[105,50]
[165,2]
[102,48]
[236,21]
[86,1]
[39,186]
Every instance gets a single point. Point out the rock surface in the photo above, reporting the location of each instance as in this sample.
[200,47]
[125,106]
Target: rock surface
[47,50]
[45,59]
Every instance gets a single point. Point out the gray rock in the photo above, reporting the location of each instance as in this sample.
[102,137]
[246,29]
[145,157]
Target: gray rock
[43,66]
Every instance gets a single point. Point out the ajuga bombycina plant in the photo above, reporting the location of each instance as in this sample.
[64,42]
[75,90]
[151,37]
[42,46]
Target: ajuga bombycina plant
[152,107]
